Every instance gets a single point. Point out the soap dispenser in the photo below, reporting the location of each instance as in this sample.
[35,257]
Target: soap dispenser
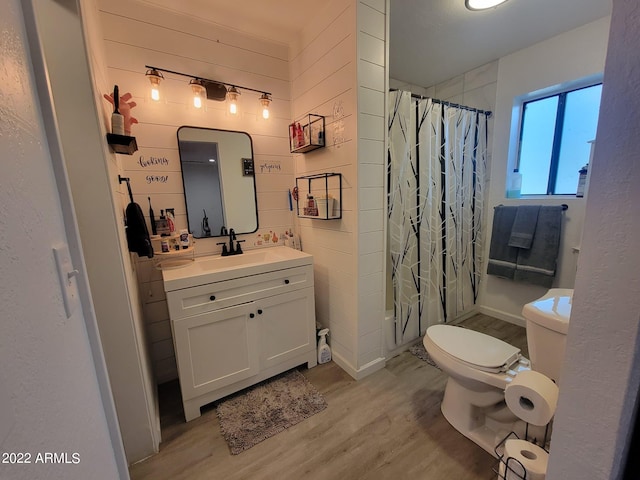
[515,184]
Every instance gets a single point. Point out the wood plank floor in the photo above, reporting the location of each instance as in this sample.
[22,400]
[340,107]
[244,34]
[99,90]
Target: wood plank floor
[386,426]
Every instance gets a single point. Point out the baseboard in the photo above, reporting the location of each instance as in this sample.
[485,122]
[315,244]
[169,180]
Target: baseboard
[403,348]
[371,367]
[359,374]
[507,317]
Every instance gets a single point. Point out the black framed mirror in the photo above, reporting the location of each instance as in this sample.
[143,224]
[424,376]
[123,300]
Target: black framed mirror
[219,181]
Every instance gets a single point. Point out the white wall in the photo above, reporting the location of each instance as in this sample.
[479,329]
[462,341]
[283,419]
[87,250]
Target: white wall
[570,56]
[372,30]
[323,81]
[338,70]
[600,380]
[93,177]
[137,34]
[49,391]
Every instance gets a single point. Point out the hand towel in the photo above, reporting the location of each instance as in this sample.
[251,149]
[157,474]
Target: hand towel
[537,265]
[524,226]
[502,257]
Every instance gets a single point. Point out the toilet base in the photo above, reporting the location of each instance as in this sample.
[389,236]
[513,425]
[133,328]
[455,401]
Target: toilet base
[481,416]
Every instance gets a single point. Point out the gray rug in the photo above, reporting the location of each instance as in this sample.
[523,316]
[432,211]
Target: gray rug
[419,351]
[266,409]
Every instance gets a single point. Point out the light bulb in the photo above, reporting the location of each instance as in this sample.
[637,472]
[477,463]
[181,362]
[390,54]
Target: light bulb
[265,100]
[199,92]
[154,77]
[482,4]
[232,99]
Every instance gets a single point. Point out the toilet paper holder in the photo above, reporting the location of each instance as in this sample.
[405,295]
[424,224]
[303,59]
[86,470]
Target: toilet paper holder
[510,468]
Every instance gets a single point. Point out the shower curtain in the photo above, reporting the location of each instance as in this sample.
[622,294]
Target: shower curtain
[435,178]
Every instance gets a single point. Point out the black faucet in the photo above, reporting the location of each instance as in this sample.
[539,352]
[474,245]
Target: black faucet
[232,237]
[231,250]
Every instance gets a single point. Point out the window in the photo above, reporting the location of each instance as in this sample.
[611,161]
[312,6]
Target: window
[554,140]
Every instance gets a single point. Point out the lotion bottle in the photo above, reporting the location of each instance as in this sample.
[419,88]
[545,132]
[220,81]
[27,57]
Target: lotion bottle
[324,352]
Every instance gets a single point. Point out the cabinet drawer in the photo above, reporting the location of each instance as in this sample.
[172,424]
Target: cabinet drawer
[213,296]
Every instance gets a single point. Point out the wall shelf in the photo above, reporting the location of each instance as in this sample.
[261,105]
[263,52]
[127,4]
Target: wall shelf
[319,196]
[306,134]
[122,143]
[172,258]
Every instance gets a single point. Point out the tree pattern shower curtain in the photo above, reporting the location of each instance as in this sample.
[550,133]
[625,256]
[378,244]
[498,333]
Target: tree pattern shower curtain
[436,177]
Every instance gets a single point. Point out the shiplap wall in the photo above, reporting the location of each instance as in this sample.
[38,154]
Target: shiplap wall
[372,87]
[338,70]
[136,35]
[323,81]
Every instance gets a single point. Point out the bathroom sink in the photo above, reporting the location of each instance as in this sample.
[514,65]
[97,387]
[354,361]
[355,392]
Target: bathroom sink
[216,268]
[233,261]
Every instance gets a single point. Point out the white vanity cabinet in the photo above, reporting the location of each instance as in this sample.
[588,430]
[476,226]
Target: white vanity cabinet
[233,333]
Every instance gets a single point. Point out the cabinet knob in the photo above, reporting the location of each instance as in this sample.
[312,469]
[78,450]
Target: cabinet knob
[251,315]
[212,298]
[286,281]
[259,311]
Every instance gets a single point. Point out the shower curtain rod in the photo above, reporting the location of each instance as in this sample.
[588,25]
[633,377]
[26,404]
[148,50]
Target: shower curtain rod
[449,104]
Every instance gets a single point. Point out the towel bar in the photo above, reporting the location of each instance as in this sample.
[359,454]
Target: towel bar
[564,206]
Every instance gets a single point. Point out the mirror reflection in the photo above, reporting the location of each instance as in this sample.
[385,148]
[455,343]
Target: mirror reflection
[219,181]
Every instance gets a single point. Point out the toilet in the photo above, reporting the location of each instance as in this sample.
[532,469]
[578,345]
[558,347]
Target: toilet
[480,367]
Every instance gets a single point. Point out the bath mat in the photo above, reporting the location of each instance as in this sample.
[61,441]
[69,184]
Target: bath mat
[266,409]
[419,351]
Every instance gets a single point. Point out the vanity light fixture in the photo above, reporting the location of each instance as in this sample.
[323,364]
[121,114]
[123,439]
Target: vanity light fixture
[154,77]
[482,4]
[232,98]
[206,89]
[265,101]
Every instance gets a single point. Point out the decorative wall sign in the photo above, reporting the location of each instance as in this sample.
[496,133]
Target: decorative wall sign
[152,162]
[270,167]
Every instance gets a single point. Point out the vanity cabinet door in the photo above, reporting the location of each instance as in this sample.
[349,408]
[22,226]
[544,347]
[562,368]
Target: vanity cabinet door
[216,349]
[287,326]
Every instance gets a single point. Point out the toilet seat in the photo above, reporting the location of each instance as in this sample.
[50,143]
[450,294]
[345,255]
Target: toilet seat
[474,349]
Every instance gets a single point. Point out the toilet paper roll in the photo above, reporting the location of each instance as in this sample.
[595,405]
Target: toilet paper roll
[523,458]
[532,397]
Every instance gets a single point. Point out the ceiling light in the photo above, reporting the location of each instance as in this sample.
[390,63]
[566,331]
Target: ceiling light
[199,92]
[154,77]
[482,4]
[232,98]
[265,100]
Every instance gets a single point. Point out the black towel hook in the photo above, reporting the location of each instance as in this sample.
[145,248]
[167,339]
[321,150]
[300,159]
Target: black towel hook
[126,179]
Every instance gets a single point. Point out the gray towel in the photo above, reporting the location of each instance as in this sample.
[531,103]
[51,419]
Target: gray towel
[537,265]
[524,226]
[502,257]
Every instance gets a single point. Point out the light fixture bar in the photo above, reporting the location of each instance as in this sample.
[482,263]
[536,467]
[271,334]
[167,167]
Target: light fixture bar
[207,80]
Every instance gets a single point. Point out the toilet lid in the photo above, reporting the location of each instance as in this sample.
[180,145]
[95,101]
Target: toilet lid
[473,347]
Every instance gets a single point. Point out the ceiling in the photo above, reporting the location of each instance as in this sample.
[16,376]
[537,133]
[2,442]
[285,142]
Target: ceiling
[430,40]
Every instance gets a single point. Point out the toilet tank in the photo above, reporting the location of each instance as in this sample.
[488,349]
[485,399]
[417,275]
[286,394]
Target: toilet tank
[547,325]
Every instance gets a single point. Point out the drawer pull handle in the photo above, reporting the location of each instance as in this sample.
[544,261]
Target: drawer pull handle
[259,311]
[212,298]
[286,282]
[251,315]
